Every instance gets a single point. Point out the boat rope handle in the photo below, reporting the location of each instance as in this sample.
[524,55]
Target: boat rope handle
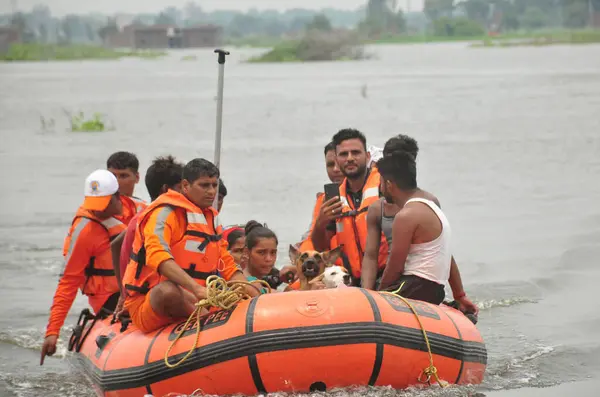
[431,370]
[221,294]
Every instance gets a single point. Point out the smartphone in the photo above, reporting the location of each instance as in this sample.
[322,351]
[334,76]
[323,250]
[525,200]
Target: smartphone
[331,190]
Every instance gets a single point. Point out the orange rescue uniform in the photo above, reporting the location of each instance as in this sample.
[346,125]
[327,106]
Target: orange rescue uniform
[131,206]
[172,227]
[88,266]
[351,230]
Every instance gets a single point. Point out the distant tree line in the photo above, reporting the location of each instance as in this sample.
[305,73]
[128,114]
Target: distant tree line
[452,17]
[377,18]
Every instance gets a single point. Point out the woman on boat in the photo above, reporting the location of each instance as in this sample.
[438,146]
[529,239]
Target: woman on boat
[236,241]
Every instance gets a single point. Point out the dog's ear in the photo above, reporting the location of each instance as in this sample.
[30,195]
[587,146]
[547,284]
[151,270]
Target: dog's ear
[331,256]
[294,252]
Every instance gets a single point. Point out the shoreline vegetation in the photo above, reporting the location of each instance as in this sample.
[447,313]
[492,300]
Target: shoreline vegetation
[561,37]
[36,52]
[313,46]
[320,46]
[316,46]
[301,34]
[582,36]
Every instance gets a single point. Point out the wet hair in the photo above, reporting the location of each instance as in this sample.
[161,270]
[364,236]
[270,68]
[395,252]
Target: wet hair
[198,168]
[399,168]
[346,134]
[256,231]
[401,143]
[329,147]
[222,188]
[163,171]
[234,236]
[123,160]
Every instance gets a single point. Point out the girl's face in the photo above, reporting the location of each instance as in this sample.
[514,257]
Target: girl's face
[262,257]
[237,250]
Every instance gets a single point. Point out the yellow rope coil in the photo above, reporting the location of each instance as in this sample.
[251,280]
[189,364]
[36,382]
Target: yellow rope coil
[221,294]
[431,370]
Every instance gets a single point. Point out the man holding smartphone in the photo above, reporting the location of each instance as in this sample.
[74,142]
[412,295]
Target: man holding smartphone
[357,192]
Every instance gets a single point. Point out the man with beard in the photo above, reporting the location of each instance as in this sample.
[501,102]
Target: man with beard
[358,191]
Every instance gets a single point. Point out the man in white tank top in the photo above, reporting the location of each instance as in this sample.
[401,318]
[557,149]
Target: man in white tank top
[420,258]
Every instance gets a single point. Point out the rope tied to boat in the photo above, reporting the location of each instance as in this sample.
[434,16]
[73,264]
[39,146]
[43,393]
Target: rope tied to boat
[219,293]
[430,371]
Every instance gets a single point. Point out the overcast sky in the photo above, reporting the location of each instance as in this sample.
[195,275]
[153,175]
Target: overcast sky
[62,7]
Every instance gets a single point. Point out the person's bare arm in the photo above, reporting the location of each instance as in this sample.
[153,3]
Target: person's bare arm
[176,274]
[455,281]
[369,263]
[320,236]
[239,276]
[403,229]
[458,290]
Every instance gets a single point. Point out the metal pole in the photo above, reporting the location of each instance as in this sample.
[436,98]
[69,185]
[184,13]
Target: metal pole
[217,158]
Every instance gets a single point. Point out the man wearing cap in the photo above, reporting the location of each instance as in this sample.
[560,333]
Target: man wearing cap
[88,259]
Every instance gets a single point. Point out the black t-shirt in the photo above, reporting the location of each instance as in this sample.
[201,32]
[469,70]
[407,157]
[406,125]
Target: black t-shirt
[356,198]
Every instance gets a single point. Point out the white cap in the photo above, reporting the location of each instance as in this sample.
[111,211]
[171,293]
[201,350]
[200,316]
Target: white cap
[100,185]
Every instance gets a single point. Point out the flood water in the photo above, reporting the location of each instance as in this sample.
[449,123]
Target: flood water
[510,143]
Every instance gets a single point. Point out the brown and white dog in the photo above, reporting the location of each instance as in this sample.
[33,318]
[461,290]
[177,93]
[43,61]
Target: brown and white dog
[314,266]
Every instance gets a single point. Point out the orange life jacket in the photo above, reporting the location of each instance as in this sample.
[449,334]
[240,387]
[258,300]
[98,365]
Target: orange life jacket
[99,272]
[307,244]
[129,209]
[198,252]
[351,228]
[140,204]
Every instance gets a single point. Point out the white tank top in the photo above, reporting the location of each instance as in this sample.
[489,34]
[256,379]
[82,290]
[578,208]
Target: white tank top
[431,260]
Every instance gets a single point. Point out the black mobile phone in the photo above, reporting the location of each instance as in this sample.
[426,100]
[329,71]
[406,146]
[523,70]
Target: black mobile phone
[331,190]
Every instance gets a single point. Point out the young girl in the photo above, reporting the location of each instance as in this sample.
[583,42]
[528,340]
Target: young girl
[260,255]
[260,251]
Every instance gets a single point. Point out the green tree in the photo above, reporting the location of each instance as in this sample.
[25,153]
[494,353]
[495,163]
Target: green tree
[319,22]
[165,19]
[383,17]
[477,10]
[533,18]
[576,13]
[435,9]
[108,29]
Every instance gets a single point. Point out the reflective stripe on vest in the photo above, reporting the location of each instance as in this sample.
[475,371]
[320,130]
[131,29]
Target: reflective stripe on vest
[197,252]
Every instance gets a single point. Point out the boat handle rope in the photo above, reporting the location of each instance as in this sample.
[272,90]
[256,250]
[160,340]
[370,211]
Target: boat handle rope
[221,294]
[431,370]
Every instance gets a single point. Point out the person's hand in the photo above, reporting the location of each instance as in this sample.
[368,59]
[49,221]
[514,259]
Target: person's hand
[199,292]
[120,310]
[285,276]
[466,306]
[49,347]
[317,285]
[254,290]
[330,210]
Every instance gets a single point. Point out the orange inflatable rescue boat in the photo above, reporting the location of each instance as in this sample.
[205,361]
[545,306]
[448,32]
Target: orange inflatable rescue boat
[286,342]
